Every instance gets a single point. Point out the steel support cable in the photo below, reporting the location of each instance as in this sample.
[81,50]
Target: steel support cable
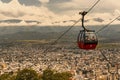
[93,6]
[63,34]
[74,24]
[85,12]
[106,58]
[70,27]
[107,24]
[101,30]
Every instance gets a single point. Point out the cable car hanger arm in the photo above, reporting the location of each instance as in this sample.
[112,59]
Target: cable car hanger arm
[83,16]
[85,12]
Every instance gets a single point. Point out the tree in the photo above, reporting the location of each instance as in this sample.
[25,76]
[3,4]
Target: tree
[53,75]
[47,74]
[62,76]
[7,76]
[27,74]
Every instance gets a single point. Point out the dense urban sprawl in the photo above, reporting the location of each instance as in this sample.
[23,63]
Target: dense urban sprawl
[82,64]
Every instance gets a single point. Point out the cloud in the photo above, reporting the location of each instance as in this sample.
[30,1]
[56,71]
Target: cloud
[15,10]
[44,1]
[30,2]
[117,12]
[102,6]
[77,4]
[67,15]
[5,1]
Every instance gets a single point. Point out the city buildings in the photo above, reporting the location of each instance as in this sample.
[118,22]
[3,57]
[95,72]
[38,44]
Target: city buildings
[84,65]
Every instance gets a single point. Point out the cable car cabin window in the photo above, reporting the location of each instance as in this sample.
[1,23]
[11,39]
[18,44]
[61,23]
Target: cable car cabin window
[82,36]
[90,38]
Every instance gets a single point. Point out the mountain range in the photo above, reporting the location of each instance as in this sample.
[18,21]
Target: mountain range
[110,34]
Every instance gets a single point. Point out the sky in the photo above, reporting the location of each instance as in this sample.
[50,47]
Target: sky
[58,12]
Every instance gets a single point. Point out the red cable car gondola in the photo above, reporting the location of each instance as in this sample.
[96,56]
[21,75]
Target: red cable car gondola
[87,39]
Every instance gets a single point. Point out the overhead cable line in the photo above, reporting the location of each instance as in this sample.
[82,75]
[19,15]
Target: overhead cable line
[93,6]
[71,27]
[107,24]
[101,30]
[63,34]
[73,24]
[106,58]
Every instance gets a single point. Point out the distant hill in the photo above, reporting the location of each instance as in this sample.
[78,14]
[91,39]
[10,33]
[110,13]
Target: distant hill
[28,35]
[110,34]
